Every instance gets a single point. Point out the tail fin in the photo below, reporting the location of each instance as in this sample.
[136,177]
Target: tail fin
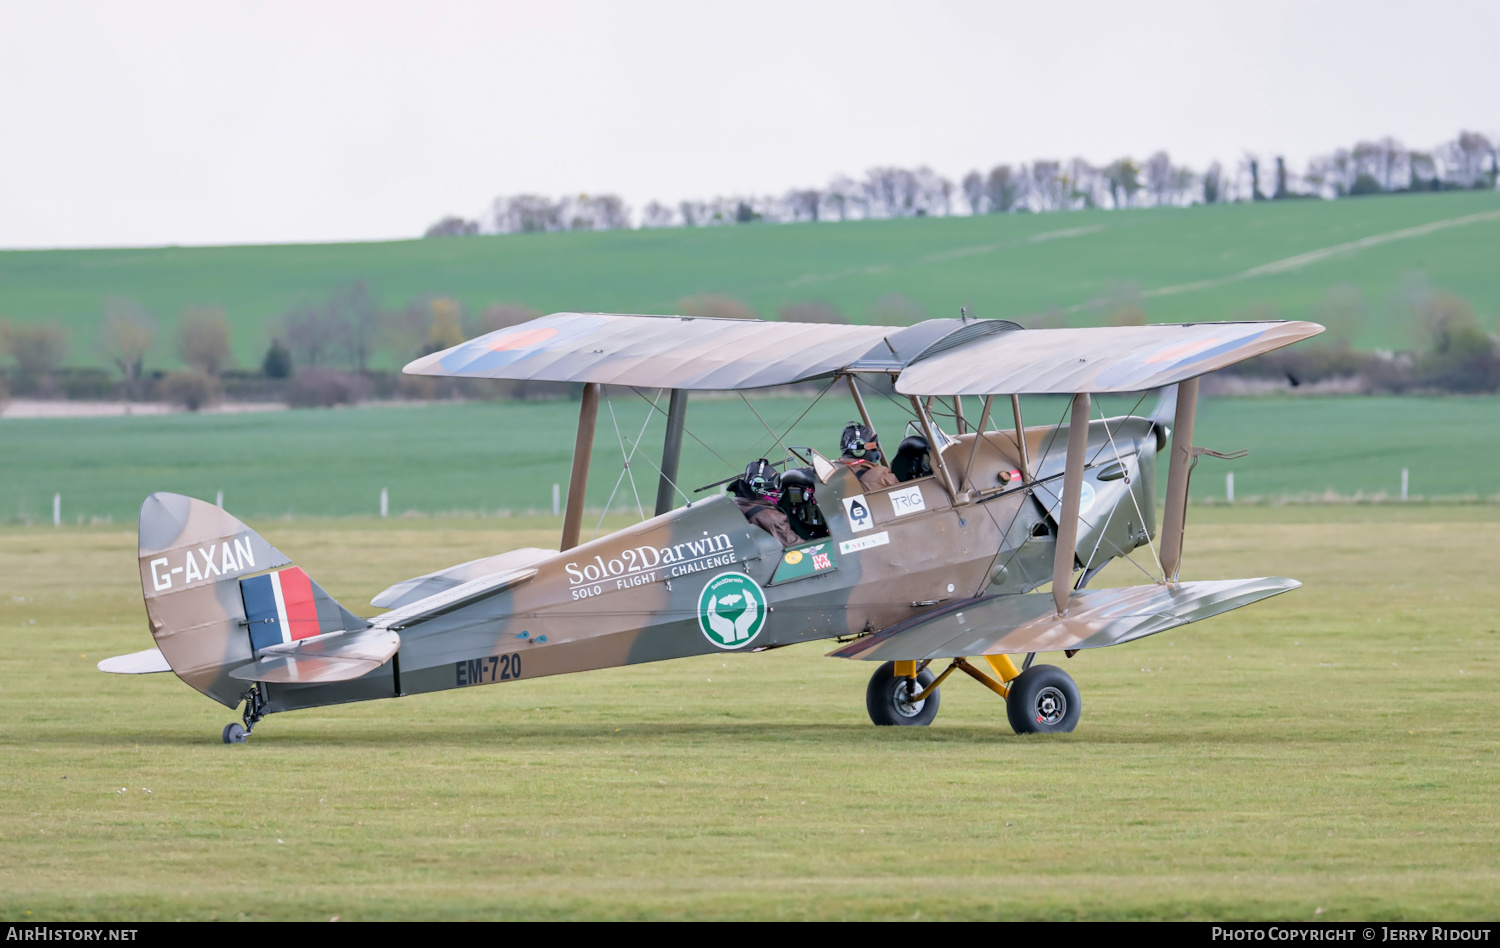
[210,612]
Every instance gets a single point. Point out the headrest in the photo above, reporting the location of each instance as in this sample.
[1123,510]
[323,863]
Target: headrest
[798,477]
[915,444]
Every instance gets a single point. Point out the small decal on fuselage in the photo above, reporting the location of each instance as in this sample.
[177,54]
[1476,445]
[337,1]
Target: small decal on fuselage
[732,610]
[906,501]
[858,511]
[865,543]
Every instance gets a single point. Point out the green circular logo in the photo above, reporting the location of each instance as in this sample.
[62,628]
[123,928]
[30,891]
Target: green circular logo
[731,610]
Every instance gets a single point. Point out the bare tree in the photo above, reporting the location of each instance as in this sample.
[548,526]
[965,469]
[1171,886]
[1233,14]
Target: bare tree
[585,212]
[353,308]
[656,215]
[1466,157]
[452,227]
[313,332]
[804,204]
[934,194]
[1003,189]
[203,339]
[972,186]
[1082,184]
[1123,176]
[891,192]
[845,197]
[1422,172]
[1046,185]
[1158,171]
[126,335]
[38,349]
[526,213]
[1212,184]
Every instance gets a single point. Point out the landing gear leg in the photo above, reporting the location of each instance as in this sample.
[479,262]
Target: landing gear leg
[255,709]
[892,699]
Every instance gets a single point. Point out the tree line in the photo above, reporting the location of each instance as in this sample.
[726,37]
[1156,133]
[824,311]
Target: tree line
[1382,166]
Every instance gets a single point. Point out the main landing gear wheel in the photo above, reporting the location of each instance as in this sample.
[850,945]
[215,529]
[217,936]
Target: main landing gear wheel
[888,698]
[235,734]
[1043,700]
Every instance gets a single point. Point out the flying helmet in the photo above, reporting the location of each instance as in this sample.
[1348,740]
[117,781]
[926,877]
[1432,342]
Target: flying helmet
[860,442]
[762,479]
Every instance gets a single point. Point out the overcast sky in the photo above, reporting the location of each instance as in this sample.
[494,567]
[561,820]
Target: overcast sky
[149,123]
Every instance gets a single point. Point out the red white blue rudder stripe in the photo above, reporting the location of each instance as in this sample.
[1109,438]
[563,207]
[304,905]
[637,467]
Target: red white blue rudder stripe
[285,605]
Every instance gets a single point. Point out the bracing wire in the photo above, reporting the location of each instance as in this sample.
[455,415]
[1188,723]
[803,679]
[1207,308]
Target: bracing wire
[625,469]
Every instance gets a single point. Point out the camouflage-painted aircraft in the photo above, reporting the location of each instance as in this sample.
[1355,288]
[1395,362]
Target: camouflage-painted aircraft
[941,567]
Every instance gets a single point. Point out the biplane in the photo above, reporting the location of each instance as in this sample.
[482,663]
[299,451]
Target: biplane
[943,570]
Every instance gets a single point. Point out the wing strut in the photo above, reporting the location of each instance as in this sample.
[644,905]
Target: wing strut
[583,449]
[859,402]
[1174,514]
[1067,518]
[671,451]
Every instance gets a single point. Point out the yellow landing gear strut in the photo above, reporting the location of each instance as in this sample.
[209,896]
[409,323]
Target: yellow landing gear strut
[1000,664]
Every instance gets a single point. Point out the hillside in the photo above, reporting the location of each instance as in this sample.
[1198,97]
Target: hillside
[1178,264]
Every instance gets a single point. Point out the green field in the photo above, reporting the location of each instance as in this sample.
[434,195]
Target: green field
[1180,264]
[488,458]
[1329,754]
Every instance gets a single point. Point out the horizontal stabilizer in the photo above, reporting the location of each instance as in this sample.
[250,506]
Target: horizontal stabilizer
[148,662]
[1029,622]
[448,600]
[418,588]
[339,656]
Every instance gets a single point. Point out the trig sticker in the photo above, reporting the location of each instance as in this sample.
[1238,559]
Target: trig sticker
[858,511]
[865,543]
[907,501]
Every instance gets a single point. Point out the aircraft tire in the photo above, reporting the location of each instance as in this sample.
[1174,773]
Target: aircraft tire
[1043,700]
[235,734]
[885,698]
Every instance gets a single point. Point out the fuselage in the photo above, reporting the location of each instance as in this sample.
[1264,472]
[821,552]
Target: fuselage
[701,579]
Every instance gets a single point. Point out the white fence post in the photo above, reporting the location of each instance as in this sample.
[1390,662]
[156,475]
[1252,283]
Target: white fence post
[57,510]
[219,500]
[556,498]
[1229,486]
[385,502]
[1405,475]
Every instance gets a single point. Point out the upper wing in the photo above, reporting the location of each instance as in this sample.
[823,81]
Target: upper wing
[1029,622]
[657,351]
[1095,360]
[934,357]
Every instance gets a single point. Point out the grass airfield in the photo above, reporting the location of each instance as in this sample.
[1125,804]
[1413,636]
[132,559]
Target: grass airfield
[1328,754]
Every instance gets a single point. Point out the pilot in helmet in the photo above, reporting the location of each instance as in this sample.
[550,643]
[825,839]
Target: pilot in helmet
[757,494]
[859,447]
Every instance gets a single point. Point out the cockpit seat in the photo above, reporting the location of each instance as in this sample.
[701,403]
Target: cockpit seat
[799,501]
